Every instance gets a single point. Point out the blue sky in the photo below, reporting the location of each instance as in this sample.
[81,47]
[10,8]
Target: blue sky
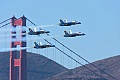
[100,22]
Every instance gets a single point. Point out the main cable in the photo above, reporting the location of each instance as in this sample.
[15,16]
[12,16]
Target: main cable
[75,60]
[31,22]
[5,25]
[5,20]
[84,59]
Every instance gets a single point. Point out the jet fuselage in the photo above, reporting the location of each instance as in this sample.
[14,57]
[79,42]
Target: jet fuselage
[74,34]
[38,32]
[44,46]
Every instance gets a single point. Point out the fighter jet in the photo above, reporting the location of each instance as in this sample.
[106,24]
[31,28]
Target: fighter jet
[66,23]
[41,46]
[35,32]
[70,34]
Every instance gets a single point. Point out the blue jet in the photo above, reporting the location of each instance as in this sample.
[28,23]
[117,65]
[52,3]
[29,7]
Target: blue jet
[70,34]
[35,32]
[41,46]
[66,23]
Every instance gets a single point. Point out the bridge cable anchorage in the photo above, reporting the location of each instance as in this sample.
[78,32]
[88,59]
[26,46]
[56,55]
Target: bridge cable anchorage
[75,53]
[5,20]
[76,60]
[84,59]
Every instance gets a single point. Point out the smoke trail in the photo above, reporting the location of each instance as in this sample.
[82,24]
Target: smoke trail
[47,25]
[41,26]
[10,29]
[27,38]
[9,35]
[6,32]
[45,37]
[66,26]
[35,38]
[13,49]
[13,40]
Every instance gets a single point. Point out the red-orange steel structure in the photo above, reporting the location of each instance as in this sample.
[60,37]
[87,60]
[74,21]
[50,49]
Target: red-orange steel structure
[18,60]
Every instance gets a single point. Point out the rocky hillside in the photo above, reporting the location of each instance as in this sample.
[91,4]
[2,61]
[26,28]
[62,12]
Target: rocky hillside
[38,67]
[109,65]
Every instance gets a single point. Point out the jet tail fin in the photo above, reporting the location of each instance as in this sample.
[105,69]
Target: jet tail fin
[36,44]
[61,21]
[65,20]
[40,43]
[35,29]
[66,32]
[70,32]
[30,30]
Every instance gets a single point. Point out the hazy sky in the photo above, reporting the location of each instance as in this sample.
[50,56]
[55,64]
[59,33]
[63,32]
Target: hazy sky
[99,18]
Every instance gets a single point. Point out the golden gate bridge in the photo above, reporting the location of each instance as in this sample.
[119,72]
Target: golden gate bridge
[21,61]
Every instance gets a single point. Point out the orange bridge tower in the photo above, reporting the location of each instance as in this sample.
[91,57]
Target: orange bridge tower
[18,60]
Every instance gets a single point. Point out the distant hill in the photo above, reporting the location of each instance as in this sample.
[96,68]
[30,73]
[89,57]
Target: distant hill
[38,67]
[110,65]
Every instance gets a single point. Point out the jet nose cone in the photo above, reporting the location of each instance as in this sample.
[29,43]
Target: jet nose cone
[79,22]
[52,45]
[84,34]
[48,31]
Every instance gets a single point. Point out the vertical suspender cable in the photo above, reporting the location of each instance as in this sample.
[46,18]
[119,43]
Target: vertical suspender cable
[85,59]
[76,60]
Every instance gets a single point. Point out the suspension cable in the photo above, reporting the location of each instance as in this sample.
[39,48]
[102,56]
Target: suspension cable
[31,22]
[75,60]
[77,55]
[5,25]
[84,59]
[5,20]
